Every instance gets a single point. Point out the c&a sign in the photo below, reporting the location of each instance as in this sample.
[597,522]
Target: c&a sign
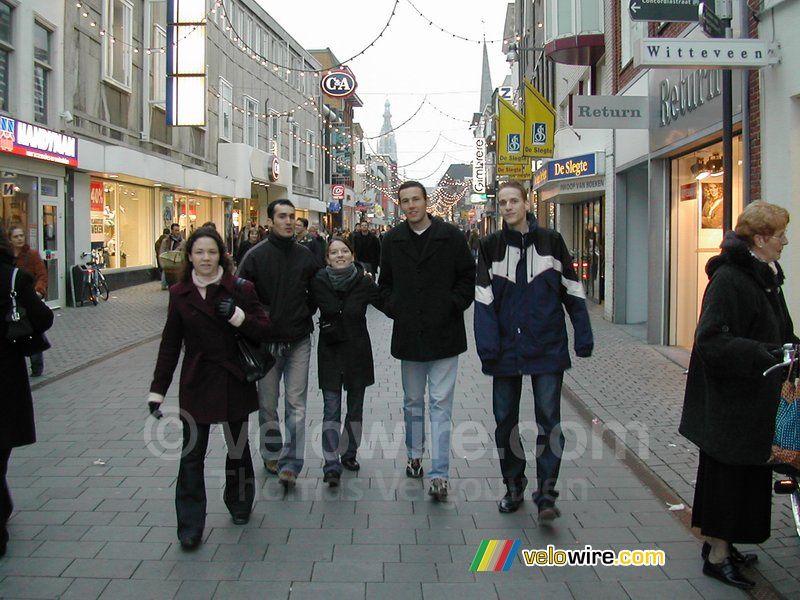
[32,141]
[339,83]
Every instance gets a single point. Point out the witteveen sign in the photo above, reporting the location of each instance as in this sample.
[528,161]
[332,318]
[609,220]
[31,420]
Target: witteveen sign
[673,53]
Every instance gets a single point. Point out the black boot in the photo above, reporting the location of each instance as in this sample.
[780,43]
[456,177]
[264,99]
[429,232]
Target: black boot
[515,494]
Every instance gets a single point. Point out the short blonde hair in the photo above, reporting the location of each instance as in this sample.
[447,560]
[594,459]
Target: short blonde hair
[761,218]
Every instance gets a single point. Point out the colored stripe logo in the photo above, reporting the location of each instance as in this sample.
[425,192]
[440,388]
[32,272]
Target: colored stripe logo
[495,555]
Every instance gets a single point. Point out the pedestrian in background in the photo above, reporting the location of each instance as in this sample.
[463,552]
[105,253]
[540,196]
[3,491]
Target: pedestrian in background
[729,407]
[282,270]
[474,242]
[524,283]
[30,261]
[173,241]
[17,427]
[207,310]
[367,247]
[305,238]
[427,282]
[246,244]
[318,247]
[344,354]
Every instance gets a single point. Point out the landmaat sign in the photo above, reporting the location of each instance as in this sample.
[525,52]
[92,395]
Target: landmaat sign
[338,83]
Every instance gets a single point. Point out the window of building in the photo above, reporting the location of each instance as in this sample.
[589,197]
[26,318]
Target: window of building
[294,76]
[41,71]
[127,239]
[295,144]
[118,42]
[275,133]
[250,133]
[311,151]
[225,110]
[247,29]
[265,42]
[6,48]
[158,68]
[630,32]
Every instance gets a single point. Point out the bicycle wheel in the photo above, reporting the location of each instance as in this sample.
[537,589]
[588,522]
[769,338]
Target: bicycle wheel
[104,290]
[95,295]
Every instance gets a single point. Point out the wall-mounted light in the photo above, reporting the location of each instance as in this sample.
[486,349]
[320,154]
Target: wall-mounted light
[514,50]
[699,169]
[715,165]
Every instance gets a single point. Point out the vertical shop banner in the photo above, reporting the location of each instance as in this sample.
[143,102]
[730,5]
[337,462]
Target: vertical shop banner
[510,126]
[97,205]
[167,215]
[540,124]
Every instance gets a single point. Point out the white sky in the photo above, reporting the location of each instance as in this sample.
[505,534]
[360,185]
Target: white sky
[412,59]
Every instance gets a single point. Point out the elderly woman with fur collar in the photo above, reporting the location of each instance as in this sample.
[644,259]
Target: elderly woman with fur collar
[729,407]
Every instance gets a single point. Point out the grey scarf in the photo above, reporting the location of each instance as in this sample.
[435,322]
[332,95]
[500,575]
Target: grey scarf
[342,278]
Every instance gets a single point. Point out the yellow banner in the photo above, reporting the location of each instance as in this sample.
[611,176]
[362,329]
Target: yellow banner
[510,125]
[540,124]
[519,171]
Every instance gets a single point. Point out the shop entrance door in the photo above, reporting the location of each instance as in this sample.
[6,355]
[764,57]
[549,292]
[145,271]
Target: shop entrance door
[51,243]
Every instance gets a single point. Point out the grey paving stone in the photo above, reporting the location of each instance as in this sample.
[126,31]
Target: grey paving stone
[439,536]
[299,552]
[84,589]
[122,534]
[380,536]
[337,572]
[33,587]
[320,536]
[454,572]
[138,589]
[282,571]
[103,568]
[206,571]
[403,572]
[196,590]
[463,591]
[711,589]
[394,591]
[33,566]
[133,550]
[366,552]
[437,553]
[661,590]
[68,549]
[154,569]
[335,591]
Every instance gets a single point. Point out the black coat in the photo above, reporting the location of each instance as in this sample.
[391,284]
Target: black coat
[367,248]
[212,384]
[427,294]
[729,407]
[348,363]
[17,427]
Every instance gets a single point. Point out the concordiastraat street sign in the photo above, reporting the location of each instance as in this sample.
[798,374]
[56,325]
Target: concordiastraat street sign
[680,53]
[664,10]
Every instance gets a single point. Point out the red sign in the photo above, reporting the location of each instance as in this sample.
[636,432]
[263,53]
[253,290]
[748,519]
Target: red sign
[97,196]
[472,212]
[274,169]
[337,192]
[688,191]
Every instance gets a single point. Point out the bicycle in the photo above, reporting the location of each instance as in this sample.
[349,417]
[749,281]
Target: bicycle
[94,283]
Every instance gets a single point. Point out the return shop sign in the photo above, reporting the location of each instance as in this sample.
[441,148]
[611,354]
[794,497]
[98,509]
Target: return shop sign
[585,165]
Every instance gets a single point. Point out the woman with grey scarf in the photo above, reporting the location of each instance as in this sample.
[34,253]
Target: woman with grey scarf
[342,291]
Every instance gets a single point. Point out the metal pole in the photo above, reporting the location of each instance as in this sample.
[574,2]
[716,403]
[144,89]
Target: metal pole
[727,128]
[744,15]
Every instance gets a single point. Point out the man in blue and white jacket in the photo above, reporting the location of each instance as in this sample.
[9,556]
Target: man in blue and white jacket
[524,282]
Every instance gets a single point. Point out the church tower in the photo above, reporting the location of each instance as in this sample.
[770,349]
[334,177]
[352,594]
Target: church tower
[386,144]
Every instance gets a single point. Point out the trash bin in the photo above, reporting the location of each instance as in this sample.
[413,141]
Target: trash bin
[171,262]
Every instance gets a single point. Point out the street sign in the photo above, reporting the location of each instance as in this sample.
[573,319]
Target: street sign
[684,53]
[337,192]
[664,10]
[8,188]
[712,25]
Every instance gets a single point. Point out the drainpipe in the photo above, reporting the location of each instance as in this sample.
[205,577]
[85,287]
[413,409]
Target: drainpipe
[744,19]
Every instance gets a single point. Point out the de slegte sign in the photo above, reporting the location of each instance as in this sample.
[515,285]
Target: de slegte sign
[479,166]
[680,53]
[26,139]
[574,167]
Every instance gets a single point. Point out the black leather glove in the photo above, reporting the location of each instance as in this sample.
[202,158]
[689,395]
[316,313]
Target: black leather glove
[155,409]
[226,308]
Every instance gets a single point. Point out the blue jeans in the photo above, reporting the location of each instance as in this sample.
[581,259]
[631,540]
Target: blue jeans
[440,378]
[331,423]
[506,393]
[293,368]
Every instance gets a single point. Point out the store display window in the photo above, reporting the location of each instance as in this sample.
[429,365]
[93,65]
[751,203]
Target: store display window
[121,223]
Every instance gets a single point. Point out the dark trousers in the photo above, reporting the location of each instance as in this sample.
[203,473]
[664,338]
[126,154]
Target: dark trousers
[331,420]
[506,392]
[190,491]
[6,506]
[37,363]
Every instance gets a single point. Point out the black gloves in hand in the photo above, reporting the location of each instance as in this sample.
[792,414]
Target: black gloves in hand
[155,409]
[226,308]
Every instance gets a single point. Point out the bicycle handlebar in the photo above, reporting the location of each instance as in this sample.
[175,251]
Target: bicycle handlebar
[789,356]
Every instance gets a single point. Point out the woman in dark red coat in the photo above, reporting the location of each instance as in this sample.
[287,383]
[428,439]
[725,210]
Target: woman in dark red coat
[29,260]
[16,426]
[206,311]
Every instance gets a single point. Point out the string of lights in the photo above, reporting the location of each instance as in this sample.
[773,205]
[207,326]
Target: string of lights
[440,111]
[450,33]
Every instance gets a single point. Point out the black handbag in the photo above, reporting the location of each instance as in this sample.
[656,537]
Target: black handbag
[332,329]
[20,335]
[255,358]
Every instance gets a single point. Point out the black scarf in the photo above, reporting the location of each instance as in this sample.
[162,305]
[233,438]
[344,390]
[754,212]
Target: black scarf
[341,279]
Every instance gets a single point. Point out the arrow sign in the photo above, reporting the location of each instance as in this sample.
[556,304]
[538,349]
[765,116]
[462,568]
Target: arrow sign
[664,10]
[712,25]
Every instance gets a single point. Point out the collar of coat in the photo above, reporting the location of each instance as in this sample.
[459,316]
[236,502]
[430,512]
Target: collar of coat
[517,239]
[437,229]
[735,251]
[193,297]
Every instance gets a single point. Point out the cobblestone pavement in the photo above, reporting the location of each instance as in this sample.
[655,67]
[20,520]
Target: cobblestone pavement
[95,512]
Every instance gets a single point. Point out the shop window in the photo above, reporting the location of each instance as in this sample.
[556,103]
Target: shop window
[118,42]
[225,110]
[19,209]
[126,224]
[6,49]
[41,71]
[275,133]
[189,212]
[311,151]
[629,32]
[250,130]
[588,256]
